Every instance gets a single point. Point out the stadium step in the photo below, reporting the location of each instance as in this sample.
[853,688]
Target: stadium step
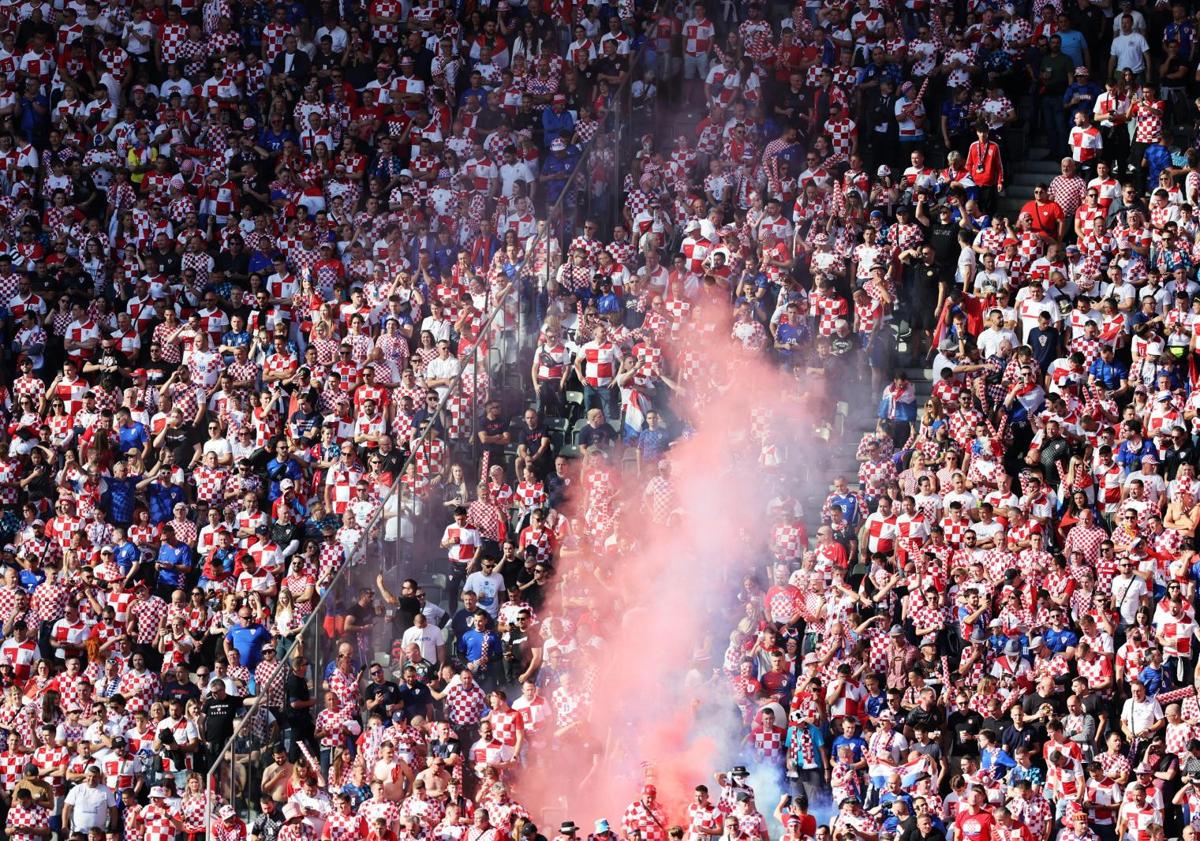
[1026,181]
[1024,173]
[841,461]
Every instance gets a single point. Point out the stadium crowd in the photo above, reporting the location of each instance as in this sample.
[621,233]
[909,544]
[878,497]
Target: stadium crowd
[255,257]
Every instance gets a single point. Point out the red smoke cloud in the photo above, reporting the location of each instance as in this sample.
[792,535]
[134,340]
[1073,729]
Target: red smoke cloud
[660,597]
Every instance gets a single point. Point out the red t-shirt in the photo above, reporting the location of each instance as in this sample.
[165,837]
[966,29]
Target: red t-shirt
[976,826]
[1046,216]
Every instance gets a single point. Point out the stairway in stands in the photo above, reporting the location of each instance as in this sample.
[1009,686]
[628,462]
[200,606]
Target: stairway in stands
[847,431]
[1024,173]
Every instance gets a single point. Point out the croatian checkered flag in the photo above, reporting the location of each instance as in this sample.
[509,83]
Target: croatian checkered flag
[810,608]
[309,758]
[1164,698]
[907,111]
[837,201]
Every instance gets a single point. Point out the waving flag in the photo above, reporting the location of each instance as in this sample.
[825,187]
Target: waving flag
[898,402]
[881,772]
[636,406]
[1031,397]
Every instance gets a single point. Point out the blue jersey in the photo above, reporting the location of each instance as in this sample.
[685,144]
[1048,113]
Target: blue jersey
[178,554]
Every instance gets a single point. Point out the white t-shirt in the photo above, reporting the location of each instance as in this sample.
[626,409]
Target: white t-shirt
[1130,51]
[488,588]
[996,277]
[1127,596]
[427,639]
[986,531]
[220,446]
[1030,310]
[967,261]
[439,328]
[170,86]
[510,174]
[90,806]
[990,339]
[145,40]
[1140,714]
[442,369]
[967,499]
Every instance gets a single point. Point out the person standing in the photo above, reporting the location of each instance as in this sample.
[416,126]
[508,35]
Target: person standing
[1056,70]
[986,167]
[90,805]
[1129,51]
[298,708]
[596,366]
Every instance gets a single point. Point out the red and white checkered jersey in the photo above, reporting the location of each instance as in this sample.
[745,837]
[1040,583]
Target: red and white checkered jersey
[601,362]
[698,37]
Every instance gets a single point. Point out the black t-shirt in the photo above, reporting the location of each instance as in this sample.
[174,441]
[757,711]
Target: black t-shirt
[1012,738]
[960,723]
[422,63]
[168,261]
[925,282]
[843,348]
[600,436]
[792,99]
[922,719]
[907,828]
[522,645]
[1053,452]
[1174,64]
[460,622]
[407,607]
[296,688]
[179,442]
[219,719]
[996,725]
[388,691]
[881,114]
[445,749]
[363,615]
[1032,702]
[515,574]
[1093,704]
[497,426]
[416,699]
[532,439]
[943,239]
[284,533]
[1174,458]
[608,66]
[173,690]
[390,462]
[266,827]
[534,593]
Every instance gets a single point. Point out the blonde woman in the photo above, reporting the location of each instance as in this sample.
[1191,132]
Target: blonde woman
[192,805]
[287,620]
